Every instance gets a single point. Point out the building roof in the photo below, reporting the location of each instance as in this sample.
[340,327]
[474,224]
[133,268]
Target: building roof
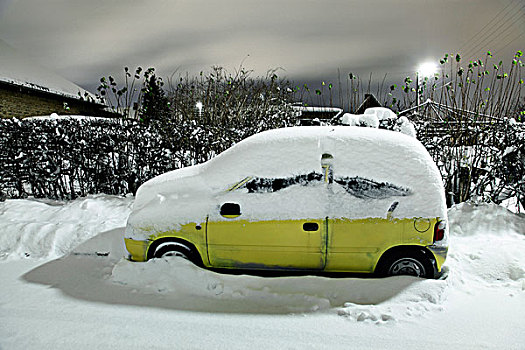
[16,69]
[370,101]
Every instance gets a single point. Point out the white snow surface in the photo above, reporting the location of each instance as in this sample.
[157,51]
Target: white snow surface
[381,113]
[369,120]
[55,116]
[350,119]
[190,194]
[93,298]
[405,126]
[20,70]
[46,228]
[373,116]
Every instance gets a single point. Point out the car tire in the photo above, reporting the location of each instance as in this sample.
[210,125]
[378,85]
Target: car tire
[407,263]
[176,249]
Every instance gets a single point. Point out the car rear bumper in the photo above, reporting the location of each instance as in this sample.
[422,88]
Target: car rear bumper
[440,254]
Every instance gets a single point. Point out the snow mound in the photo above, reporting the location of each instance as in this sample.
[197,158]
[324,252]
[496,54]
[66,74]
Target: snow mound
[419,298]
[381,113]
[484,219]
[405,126]
[376,116]
[369,120]
[487,243]
[45,228]
[350,119]
[490,260]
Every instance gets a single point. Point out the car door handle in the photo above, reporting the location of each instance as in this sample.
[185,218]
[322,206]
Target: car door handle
[310,226]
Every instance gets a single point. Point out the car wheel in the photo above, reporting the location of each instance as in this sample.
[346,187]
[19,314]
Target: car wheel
[175,249]
[408,264]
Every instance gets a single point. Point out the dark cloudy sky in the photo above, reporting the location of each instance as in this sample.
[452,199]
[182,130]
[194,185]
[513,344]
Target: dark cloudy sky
[83,40]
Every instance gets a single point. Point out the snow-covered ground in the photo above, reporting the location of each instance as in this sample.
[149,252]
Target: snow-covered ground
[65,285]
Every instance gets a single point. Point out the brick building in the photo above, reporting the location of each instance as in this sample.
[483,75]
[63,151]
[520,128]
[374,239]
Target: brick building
[20,101]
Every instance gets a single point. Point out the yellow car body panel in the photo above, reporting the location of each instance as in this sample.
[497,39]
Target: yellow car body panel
[138,250]
[338,245]
[194,233]
[357,245]
[266,244]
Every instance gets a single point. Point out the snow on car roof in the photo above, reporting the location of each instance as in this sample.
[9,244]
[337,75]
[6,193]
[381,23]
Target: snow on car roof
[357,151]
[373,153]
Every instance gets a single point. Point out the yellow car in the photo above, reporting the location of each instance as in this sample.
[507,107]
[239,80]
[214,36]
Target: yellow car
[338,199]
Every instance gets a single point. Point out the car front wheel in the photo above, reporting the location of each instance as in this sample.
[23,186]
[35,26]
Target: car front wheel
[175,249]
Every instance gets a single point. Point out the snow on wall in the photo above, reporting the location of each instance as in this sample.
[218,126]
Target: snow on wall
[55,116]
[380,157]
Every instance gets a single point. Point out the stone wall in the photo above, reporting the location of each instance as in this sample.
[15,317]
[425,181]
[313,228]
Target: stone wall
[20,102]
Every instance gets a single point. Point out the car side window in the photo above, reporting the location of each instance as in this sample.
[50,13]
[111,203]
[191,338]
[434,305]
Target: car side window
[365,188]
[265,185]
[359,187]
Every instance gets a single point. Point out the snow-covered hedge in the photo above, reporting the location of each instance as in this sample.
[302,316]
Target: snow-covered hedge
[68,157]
[481,162]
[72,157]
[62,158]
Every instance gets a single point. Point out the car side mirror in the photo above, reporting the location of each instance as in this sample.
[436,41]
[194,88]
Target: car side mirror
[230,210]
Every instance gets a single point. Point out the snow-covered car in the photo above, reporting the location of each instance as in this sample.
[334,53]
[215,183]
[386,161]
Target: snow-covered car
[344,198]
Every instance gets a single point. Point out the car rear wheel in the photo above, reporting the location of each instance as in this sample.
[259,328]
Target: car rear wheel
[407,264]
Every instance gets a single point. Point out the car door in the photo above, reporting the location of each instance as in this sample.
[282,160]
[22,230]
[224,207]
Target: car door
[270,223]
[361,225]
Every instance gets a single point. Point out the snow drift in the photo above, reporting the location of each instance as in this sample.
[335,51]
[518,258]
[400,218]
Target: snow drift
[45,228]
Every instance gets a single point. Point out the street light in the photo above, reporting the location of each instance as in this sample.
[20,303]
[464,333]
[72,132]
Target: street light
[199,106]
[425,70]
